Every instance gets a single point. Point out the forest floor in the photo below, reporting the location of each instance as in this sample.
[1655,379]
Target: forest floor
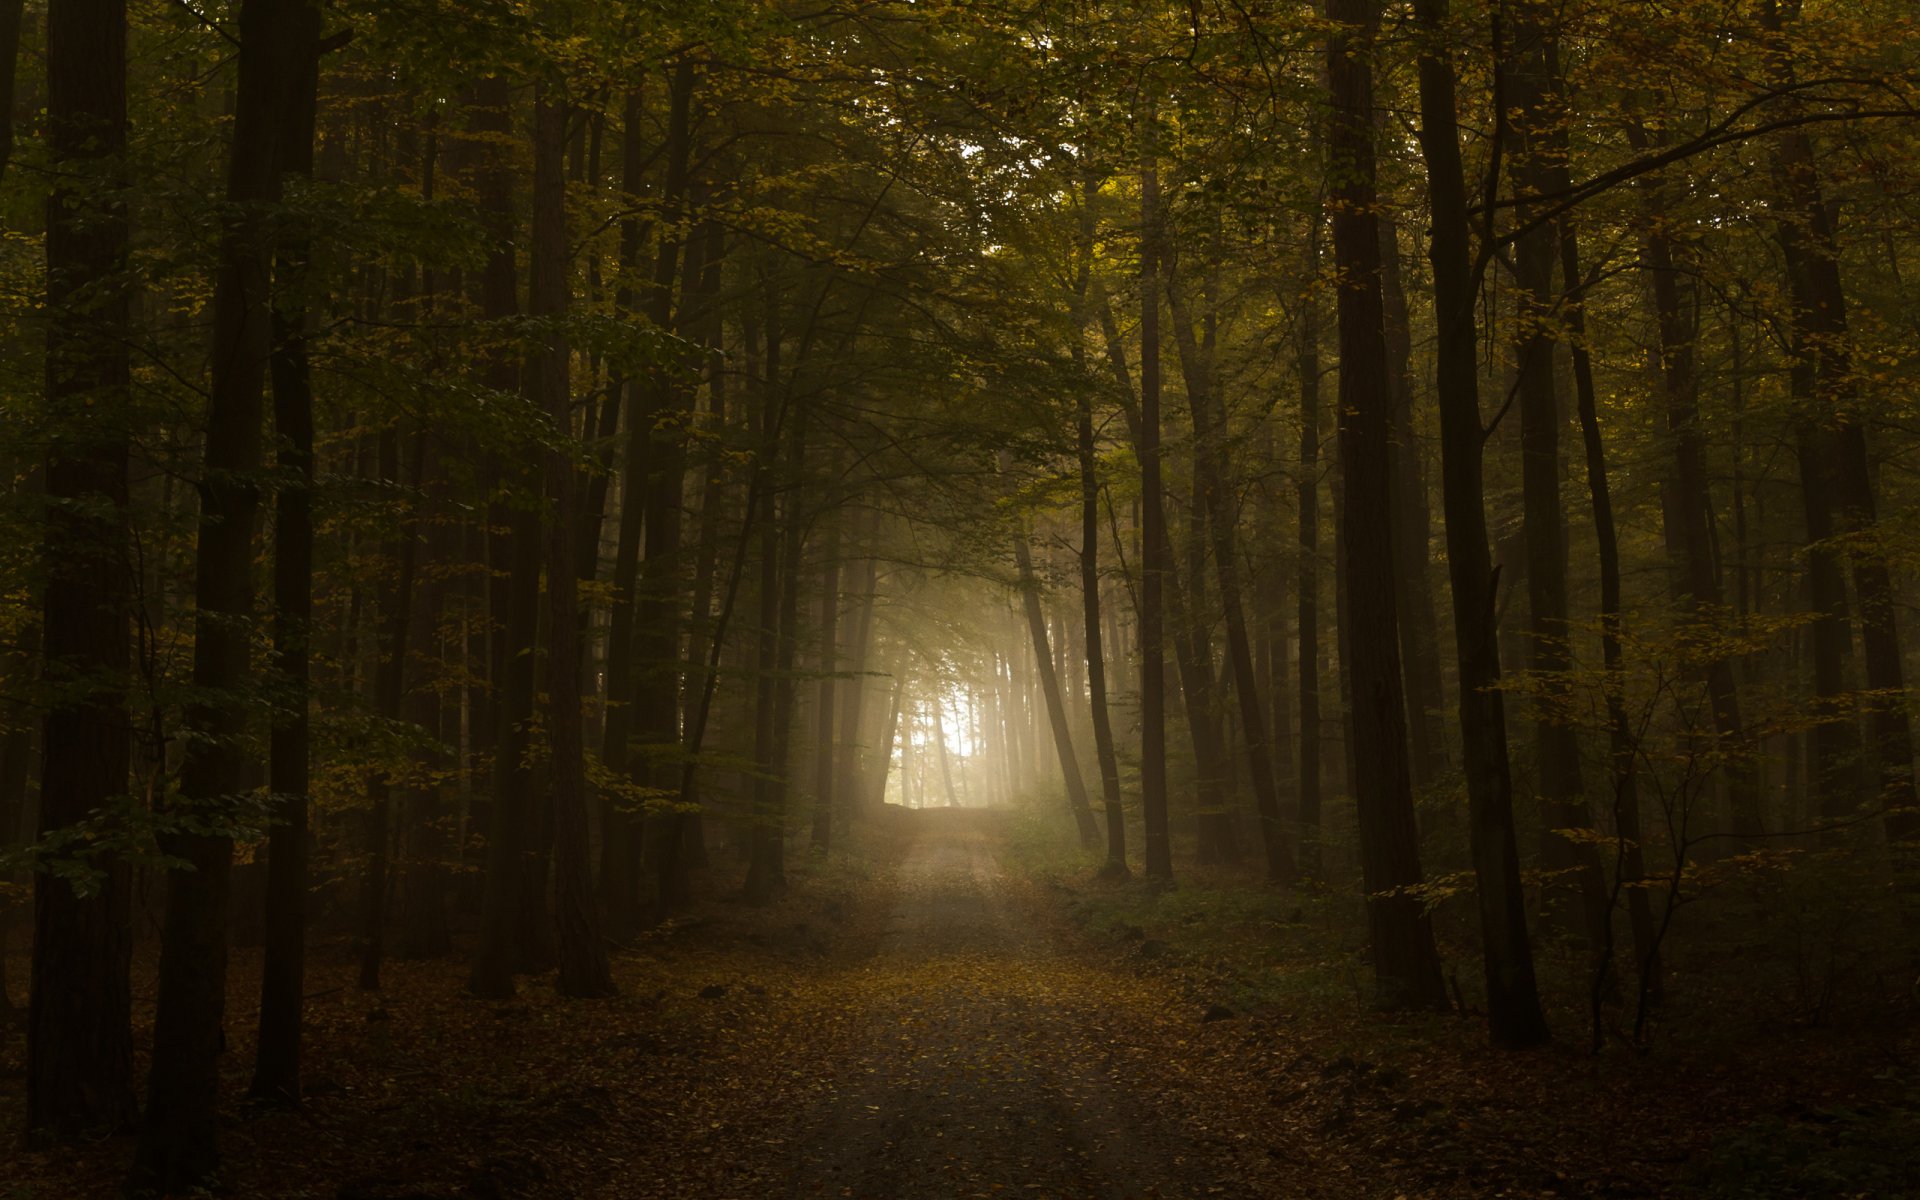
[931,1018]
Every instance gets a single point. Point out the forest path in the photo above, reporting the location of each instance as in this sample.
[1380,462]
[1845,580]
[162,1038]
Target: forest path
[984,1058]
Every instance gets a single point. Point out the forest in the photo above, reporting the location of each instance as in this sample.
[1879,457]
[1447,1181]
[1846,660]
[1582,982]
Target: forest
[923,598]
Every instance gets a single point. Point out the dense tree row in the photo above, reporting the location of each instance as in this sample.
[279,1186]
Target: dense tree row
[480,468]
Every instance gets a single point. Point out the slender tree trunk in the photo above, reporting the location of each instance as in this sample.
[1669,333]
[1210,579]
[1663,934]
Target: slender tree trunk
[620,826]
[1538,166]
[513,594]
[1307,358]
[1096,654]
[823,762]
[1514,1016]
[276,1067]
[389,688]
[1405,963]
[1821,334]
[1621,747]
[1412,529]
[1686,503]
[1155,553]
[177,1148]
[79,1032]
[582,951]
[657,621]
[1050,693]
[1212,479]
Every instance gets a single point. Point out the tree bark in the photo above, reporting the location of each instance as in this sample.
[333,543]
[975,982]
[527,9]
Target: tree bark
[1405,963]
[582,952]
[1537,165]
[1514,1017]
[1050,694]
[177,1147]
[79,1031]
[276,1067]
[1155,553]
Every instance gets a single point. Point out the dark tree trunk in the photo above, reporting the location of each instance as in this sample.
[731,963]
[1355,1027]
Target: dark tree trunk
[1156,554]
[1412,530]
[177,1147]
[1514,1016]
[766,872]
[1686,503]
[1096,653]
[276,1067]
[1212,480]
[1050,693]
[79,1034]
[513,594]
[656,697]
[11,14]
[620,824]
[1307,359]
[1821,334]
[1537,165]
[582,952]
[1405,963]
[1630,868]
[823,761]
[389,688]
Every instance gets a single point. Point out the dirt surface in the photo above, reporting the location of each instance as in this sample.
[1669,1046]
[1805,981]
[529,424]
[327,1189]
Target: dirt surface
[972,1074]
[913,1019]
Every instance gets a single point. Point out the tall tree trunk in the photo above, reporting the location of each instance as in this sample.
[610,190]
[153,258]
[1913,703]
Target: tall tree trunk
[1630,869]
[1307,359]
[1096,654]
[1405,963]
[887,741]
[514,592]
[1686,503]
[766,872]
[389,688]
[582,951]
[1412,528]
[823,761]
[1050,693]
[1155,553]
[851,781]
[79,1031]
[656,700]
[276,1067]
[1212,479]
[620,826]
[177,1148]
[1537,165]
[1821,333]
[12,13]
[1514,1016]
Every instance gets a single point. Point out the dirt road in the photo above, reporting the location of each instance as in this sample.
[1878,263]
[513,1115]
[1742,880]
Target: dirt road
[984,1063]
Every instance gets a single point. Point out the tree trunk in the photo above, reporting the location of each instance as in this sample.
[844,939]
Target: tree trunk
[1096,655]
[1686,502]
[620,825]
[1405,963]
[513,594]
[823,761]
[1155,553]
[79,1031]
[1050,693]
[1412,529]
[276,1067]
[177,1147]
[1621,747]
[1212,479]
[582,952]
[1307,358]
[1514,1016]
[1537,165]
